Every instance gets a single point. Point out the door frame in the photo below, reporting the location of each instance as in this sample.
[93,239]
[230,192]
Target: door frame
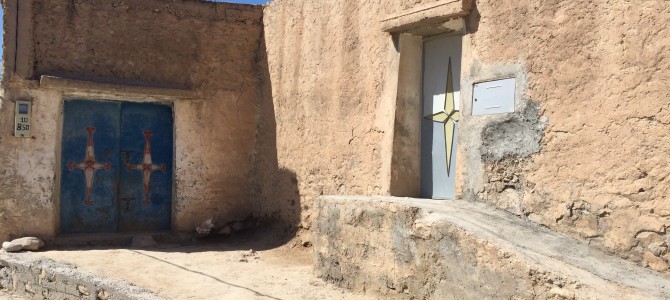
[111,97]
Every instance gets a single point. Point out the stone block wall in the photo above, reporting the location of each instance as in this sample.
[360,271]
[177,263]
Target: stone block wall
[46,279]
[405,248]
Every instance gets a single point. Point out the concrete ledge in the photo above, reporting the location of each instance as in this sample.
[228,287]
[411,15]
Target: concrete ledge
[82,86]
[427,16]
[464,250]
[41,278]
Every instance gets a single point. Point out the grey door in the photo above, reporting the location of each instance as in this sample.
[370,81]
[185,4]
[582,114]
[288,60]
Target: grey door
[441,113]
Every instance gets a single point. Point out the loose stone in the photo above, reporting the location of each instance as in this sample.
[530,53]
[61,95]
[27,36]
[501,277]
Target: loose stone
[11,247]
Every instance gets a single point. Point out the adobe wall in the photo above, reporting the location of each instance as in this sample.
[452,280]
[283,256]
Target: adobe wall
[206,50]
[584,153]
[326,114]
[597,74]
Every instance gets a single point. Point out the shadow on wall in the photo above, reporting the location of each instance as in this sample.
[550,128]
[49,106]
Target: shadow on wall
[472,20]
[274,189]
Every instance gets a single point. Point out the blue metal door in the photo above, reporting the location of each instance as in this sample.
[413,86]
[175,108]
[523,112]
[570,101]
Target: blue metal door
[116,167]
[90,166]
[146,178]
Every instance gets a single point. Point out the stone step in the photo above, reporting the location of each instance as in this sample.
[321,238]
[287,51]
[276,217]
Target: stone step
[415,248]
[40,278]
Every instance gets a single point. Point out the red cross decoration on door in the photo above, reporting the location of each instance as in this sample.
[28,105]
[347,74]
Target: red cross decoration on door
[89,165]
[146,167]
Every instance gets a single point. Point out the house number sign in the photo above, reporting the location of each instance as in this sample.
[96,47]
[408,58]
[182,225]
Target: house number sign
[22,119]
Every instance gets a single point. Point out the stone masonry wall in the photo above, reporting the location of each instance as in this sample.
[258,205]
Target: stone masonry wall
[585,153]
[404,248]
[40,278]
[207,48]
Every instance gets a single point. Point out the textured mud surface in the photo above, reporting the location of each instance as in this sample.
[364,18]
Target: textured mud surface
[598,72]
[244,269]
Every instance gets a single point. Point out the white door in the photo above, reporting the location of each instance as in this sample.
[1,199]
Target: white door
[441,113]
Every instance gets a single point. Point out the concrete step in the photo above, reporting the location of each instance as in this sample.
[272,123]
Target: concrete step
[415,248]
[39,278]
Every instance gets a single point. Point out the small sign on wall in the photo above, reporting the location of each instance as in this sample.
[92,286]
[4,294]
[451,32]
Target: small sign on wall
[22,119]
[493,97]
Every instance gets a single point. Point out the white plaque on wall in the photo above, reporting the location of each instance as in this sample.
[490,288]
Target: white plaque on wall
[493,97]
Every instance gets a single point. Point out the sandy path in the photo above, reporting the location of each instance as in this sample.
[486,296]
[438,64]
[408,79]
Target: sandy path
[217,271]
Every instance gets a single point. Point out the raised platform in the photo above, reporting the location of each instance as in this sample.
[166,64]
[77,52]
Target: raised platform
[464,250]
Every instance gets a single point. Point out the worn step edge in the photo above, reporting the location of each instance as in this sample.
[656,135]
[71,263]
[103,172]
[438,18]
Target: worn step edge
[542,249]
[24,272]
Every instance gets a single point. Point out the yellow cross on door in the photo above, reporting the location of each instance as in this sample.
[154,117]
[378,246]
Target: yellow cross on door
[449,116]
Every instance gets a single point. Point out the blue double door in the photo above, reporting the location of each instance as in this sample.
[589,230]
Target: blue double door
[116,167]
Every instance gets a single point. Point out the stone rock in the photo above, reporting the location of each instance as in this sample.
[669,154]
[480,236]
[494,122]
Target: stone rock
[11,247]
[562,293]
[238,226]
[143,241]
[658,248]
[30,288]
[655,262]
[648,237]
[83,290]
[204,229]
[103,295]
[29,243]
[226,231]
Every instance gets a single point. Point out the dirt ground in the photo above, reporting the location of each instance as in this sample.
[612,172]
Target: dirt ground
[214,269]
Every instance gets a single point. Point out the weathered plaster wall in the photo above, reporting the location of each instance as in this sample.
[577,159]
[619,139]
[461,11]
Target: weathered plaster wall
[327,112]
[584,154]
[207,48]
[27,167]
[597,72]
